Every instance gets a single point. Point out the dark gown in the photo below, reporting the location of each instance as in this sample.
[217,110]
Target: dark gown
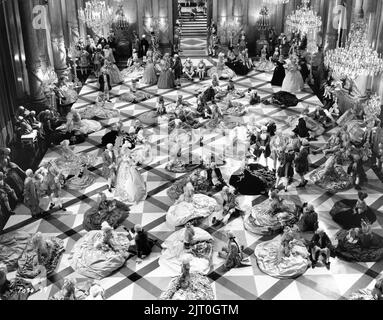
[94,217]
[369,248]
[279,74]
[343,214]
[284,99]
[254,180]
[238,67]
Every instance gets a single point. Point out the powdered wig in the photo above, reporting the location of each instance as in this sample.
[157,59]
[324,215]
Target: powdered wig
[105,227]
[37,240]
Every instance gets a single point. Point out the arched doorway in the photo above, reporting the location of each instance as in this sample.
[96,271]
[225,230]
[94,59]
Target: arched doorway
[194,17]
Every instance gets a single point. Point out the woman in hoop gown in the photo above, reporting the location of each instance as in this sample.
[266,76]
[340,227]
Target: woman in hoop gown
[221,69]
[293,81]
[130,185]
[150,75]
[166,79]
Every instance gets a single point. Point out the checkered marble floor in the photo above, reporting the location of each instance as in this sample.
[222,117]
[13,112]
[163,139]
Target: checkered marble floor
[147,280]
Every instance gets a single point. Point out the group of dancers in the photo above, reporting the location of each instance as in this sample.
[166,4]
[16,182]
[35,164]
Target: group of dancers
[208,196]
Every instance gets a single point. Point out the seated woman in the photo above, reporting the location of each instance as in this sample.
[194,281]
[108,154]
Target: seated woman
[221,69]
[73,167]
[200,252]
[254,179]
[233,108]
[191,206]
[40,251]
[376,293]
[154,116]
[15,289]
[351,213]
[271,216]
[135,97]
[112,211]
[227,200]
[320,246]
[331,176]
[71,290]
[188,69]
[134,72]
[308,221]
[78,126]
[189,286]
[181,136]
[284,257]
[264,65]
[12,246]
[197,178]
[99,253]
[359,245]
[230,93]
[233,254]
[100,110]
[284,99]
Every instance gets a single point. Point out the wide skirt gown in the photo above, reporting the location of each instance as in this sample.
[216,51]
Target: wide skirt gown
[130,185]
[293,82]
[166,80]
[150,75]
[174,253]
[288,267]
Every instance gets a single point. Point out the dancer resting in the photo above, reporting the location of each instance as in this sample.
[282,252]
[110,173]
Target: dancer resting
[41,251]
[308,221]
[191,206]
[227,199]
[271,216]
[350,213]
[302,162]
[221,69]
[285,257]
[189,286]
[166,79]
[200,252]
[331,176]
[112,211]
[359,244]
[71,290]
[233,254]
[100,110]
[99,253]
[320,246]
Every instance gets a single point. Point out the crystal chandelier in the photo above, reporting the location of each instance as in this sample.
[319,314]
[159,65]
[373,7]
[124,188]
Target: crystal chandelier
[304,19]
[97,15]
[263,22]
[120,20]
[357,58]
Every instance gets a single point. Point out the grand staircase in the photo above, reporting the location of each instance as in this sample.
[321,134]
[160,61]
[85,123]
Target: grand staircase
[194,35]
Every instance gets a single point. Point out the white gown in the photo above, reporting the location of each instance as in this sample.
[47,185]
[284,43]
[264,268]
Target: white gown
[130,185]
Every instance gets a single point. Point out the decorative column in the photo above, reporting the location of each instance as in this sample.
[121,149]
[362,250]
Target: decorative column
[34,22]
[57,37]
[331,35]
[72,21]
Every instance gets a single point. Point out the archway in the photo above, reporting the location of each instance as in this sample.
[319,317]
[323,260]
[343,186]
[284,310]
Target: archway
[191,35]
